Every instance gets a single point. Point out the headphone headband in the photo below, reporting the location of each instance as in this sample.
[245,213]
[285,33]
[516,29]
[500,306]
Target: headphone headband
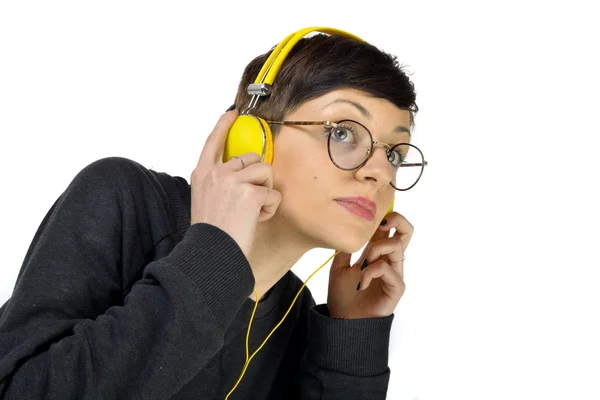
[268,72]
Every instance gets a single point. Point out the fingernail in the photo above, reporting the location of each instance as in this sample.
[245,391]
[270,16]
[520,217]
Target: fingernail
[358,286]
[364,264]
[231,108]
[383,222]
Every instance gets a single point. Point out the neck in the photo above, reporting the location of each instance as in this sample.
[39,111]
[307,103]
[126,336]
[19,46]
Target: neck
[275,250]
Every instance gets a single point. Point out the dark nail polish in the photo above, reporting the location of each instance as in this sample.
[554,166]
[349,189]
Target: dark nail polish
[358,286]
[364,264]
[383,222]
[231,108]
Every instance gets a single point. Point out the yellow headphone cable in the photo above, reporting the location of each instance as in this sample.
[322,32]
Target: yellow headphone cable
[267,338]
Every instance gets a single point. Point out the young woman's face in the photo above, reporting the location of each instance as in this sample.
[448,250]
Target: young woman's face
[309,182]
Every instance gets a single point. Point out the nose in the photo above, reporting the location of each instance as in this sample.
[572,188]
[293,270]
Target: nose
[377,167]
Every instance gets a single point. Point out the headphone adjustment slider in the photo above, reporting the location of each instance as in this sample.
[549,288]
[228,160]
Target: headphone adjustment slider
[259,89]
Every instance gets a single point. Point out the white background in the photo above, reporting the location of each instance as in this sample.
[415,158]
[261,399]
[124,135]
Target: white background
[502,298]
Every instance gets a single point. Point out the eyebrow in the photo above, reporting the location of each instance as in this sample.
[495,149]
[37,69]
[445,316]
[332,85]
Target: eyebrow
[367,114]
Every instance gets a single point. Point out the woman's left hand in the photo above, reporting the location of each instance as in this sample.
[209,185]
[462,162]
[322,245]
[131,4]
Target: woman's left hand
[381,281]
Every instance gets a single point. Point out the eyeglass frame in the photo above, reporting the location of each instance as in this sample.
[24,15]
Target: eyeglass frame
[387,147]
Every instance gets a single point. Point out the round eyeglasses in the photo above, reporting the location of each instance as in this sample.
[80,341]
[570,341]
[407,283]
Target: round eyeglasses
[350,144]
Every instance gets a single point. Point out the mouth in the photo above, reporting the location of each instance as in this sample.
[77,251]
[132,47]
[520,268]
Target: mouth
[360,206]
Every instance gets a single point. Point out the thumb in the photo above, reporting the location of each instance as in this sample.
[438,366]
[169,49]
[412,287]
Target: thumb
[214,147]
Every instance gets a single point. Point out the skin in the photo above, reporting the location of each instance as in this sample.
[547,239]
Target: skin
[308,217]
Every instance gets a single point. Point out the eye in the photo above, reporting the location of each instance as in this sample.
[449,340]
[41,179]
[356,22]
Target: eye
[343,132]
[396,158]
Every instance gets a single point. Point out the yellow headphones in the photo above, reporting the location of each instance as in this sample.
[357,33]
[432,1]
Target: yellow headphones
[250,133]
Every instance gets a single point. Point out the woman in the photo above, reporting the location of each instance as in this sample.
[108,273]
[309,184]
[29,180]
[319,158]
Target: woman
[140,285]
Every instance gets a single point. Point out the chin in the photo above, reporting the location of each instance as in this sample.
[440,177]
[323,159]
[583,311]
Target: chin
[343,233]
[345,238]
[330,228]
[351,247]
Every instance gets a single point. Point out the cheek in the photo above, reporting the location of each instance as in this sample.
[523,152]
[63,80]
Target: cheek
[296,176]
[302,179]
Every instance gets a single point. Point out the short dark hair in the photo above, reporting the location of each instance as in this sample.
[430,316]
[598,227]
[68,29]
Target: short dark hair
[321,63]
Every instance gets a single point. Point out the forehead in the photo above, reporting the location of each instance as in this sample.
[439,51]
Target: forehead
[372,110]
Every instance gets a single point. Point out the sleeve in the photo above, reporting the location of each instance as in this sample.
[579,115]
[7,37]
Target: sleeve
[69,331]
[344,359]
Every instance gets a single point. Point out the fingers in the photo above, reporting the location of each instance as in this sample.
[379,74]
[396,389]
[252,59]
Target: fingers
[241,162]
[257,177]
[403,234]
[398,221]
[379,234]
[256,172]
[392,283]
[390,247]
[212,152]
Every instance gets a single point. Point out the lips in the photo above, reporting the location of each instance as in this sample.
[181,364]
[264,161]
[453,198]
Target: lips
[359,205]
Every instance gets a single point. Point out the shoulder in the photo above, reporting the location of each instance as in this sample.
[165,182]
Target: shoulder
[121,185]
[113,169]
[121,174]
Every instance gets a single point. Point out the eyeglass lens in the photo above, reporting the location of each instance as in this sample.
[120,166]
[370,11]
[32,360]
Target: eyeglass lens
[349,146]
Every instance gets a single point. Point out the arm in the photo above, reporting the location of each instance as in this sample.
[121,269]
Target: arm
[68,332]
[345,359]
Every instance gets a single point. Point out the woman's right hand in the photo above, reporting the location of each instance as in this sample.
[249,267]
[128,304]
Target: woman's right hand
[228,195]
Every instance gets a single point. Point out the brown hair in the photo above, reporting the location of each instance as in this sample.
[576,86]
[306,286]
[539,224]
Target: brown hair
[321,63]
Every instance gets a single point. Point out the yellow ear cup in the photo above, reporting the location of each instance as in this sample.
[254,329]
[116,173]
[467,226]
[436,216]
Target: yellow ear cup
[249,133]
